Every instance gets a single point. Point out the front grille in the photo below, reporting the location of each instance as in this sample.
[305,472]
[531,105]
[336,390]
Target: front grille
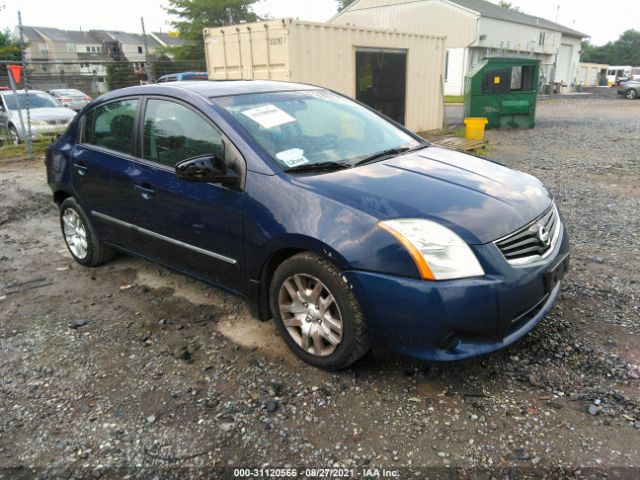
[533,241]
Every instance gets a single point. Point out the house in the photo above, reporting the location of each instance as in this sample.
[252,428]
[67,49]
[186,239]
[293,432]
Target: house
[79,58]
[55,46]
[46,44]
[475,29]
[65,59]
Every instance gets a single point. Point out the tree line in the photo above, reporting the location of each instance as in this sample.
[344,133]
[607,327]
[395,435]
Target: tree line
[624,51]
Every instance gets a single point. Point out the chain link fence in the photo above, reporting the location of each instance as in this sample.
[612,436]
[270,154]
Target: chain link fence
[38,101]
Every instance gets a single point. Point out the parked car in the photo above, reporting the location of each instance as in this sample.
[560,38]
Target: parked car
[340,224]
[70,98]
[184,76]
[630,89]
[621,80]
[48,118]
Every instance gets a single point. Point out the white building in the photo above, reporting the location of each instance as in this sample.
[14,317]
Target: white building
[474,29]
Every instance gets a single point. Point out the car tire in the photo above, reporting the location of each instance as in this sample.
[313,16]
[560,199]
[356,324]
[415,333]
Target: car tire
[14,136]
[313,307]
[631,94]
[80,236]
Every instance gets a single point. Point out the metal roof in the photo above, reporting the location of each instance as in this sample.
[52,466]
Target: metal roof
[485,9]
[491,10]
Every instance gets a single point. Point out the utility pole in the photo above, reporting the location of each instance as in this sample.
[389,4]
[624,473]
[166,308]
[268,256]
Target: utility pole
[25,83]
[147,67]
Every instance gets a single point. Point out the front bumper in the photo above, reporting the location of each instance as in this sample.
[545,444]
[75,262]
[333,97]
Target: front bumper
[39,132]
[456,319]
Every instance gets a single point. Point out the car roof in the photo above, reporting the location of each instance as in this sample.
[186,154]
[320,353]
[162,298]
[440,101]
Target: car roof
[210,89]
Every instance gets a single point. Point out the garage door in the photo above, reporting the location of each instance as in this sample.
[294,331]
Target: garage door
[565,64]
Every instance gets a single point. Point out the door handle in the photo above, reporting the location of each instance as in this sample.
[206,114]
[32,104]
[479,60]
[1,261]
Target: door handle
[145,190]
[80,168]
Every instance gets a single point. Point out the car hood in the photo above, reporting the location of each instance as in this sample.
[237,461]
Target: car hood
[53,113]
[478,199]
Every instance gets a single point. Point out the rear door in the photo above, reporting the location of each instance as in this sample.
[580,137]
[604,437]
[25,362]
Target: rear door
[103,162]
[194,226]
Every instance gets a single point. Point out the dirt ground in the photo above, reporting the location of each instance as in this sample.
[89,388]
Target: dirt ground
[131,369]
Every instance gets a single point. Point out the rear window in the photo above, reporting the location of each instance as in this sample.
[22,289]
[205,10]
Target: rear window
[112,126]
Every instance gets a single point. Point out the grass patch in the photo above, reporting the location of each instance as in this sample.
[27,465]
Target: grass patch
[10,151]
[453,99]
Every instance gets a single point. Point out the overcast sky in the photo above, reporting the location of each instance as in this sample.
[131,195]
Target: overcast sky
[604,21]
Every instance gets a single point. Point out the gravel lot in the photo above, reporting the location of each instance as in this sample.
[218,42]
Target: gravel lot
[130,368]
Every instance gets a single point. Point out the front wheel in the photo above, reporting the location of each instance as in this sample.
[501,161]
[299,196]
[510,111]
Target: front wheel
[81,238]
[316,312]
[631,94]
[14,136]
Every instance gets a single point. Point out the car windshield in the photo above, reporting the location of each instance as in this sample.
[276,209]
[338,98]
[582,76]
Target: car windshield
[302,128]
[36,100]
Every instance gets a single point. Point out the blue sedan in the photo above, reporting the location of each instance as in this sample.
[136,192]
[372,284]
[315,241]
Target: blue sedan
[341,225]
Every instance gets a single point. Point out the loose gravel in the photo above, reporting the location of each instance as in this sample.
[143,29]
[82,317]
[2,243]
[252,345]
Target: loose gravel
[130,369]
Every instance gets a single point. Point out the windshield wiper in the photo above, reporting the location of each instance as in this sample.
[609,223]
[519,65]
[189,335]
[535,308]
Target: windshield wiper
[389,152]
[320,166]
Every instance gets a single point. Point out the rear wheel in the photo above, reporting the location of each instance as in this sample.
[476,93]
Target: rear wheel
[81,238]
[631,94]
[316,312]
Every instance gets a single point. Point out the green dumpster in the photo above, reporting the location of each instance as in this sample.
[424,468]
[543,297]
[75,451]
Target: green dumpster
[504,90]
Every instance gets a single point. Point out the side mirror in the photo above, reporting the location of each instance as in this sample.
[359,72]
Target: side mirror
[210,169]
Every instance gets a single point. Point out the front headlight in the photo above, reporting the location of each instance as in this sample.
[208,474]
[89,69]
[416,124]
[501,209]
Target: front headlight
[439,253]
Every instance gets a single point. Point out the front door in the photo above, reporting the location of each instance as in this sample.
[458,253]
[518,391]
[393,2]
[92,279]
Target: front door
[194,226]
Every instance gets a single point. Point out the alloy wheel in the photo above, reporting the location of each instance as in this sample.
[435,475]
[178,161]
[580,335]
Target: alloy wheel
[631,94]
[75,233]
[310,314]
[13,134]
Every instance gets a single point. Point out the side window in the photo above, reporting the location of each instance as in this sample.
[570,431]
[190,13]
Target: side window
[173,133]
[112,126]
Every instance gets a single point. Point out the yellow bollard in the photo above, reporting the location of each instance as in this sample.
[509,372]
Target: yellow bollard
[475,127]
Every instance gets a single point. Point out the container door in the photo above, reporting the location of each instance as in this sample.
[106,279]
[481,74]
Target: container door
[381,81]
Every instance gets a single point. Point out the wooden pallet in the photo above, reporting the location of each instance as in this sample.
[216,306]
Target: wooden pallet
[457,143]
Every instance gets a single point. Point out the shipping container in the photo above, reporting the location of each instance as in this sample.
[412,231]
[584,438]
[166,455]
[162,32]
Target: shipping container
[399,74]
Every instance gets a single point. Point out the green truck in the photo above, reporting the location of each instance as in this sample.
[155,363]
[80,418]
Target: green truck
[504,90]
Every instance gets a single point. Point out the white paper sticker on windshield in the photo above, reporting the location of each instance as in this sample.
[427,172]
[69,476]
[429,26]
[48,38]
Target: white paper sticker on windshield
[268,116]
[292,158]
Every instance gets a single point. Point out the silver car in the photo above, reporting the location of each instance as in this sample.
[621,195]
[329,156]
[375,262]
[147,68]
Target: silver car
[70,98]
[48,118]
